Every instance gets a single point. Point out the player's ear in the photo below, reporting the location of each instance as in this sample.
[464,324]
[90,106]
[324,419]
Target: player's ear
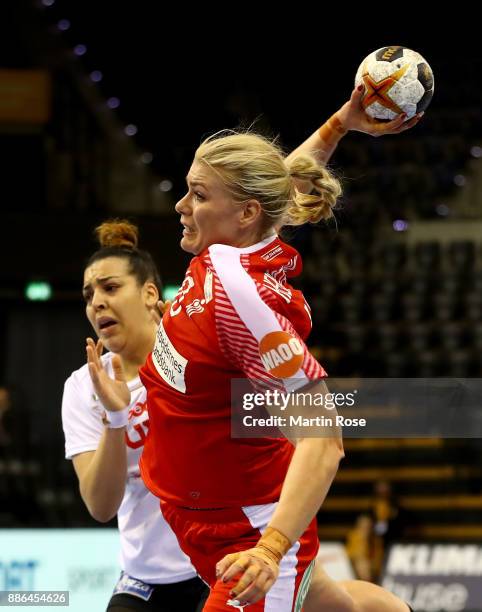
[250,212]
[151,294]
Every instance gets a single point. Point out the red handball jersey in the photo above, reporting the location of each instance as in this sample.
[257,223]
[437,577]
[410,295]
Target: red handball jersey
[231,314]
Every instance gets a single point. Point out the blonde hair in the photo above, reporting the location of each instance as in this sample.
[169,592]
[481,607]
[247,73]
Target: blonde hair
[253,167]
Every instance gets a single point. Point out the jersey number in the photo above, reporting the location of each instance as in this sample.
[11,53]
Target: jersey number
[186,286]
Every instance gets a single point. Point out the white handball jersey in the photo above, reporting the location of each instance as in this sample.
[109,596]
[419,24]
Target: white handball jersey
[149,549]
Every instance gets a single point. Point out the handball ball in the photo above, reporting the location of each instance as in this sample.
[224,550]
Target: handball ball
[397,80]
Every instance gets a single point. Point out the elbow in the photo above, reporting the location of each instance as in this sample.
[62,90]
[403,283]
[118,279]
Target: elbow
[341,455]
[100,512]
[327,453]
[101,515]
[335,453]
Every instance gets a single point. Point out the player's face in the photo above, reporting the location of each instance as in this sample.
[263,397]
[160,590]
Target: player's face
[116,306]
[208,212]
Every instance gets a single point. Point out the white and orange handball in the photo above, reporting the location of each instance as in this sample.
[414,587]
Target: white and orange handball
[397,80]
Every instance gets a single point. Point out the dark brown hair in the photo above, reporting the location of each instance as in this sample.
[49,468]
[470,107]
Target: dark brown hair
[119,238]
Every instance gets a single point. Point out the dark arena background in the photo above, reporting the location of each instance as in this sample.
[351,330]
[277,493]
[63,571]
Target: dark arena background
[102,105]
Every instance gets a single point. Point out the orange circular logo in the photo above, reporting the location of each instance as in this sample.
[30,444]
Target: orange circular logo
[281,354]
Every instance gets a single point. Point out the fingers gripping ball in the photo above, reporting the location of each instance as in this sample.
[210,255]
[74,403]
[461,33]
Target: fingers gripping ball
[258,566]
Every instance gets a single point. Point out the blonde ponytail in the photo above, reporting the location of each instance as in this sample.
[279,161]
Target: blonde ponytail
[311,208]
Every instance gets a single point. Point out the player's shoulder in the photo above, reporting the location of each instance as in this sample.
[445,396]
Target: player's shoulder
[226,262]
[269,255]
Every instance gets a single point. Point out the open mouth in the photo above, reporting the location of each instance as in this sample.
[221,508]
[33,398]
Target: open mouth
[187,229]
[106,323]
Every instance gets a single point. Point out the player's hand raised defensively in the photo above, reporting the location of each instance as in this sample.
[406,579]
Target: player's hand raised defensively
[113,392]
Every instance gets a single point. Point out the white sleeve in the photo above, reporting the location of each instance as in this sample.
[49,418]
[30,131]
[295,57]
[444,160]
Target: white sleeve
[261,342]
[81,417]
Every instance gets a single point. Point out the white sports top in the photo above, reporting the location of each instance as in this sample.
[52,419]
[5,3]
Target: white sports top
[149,549]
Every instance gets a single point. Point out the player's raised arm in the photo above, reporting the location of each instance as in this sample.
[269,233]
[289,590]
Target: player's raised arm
[393,88]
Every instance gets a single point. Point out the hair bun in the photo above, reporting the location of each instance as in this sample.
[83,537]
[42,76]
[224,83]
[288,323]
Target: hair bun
[117,233]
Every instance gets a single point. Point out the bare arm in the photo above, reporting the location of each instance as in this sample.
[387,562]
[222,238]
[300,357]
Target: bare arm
[309,477]
[102,475]
[350,117]
[312,468]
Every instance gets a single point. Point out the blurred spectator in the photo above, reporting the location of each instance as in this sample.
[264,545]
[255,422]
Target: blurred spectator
[388,522]
[368,539]
[359,547]
[386,512]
